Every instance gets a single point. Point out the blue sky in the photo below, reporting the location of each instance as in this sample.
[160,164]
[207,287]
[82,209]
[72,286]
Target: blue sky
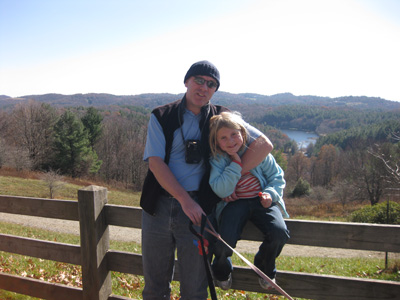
[126,47]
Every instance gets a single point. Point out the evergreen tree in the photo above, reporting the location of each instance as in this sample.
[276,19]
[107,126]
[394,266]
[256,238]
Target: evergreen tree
[302,188]
[92,122]
[280,159]
[73,154]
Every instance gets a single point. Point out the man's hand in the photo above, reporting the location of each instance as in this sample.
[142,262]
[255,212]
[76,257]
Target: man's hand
[168,181]
[193,210]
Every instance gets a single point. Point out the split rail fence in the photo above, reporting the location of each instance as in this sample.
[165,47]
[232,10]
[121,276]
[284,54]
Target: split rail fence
[97,260]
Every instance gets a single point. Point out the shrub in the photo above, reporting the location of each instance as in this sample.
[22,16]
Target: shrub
[378,214]
[320,194]
[302,188]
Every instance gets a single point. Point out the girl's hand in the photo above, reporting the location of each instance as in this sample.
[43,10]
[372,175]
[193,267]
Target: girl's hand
[230,198]
[265,199]
[235,156]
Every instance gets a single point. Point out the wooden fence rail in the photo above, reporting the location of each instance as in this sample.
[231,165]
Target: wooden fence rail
[98,261]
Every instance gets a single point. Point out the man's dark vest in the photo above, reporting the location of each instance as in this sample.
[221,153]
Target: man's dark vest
[168,117]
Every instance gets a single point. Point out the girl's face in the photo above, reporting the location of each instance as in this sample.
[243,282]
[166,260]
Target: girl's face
[229,140]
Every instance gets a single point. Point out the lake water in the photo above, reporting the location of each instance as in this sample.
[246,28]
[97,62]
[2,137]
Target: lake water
[302,138]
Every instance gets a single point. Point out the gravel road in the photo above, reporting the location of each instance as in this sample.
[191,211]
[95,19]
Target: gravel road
[133,235]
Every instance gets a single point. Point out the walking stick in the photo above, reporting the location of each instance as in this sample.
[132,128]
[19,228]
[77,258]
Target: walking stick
[252,266]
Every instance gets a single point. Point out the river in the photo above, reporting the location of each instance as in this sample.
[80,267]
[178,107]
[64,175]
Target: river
[302,138]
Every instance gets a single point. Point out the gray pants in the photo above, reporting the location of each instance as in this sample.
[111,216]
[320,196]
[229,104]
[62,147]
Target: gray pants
[162,234]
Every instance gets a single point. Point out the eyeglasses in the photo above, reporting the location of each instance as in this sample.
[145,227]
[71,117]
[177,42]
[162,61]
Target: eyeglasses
[210,83]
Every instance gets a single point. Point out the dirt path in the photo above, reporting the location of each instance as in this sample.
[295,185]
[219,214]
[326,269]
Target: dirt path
[133,235]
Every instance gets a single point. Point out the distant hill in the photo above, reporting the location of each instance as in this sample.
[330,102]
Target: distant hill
[231,100]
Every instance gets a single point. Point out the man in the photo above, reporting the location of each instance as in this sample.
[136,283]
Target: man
[176,189]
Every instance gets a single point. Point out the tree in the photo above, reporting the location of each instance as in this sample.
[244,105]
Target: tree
[310,149]
[298,167]
[320,194]
[2,152]
[290,147]
[326,165]
[373,176]
[3,122]
[302,188]
[73,154]
[53,180]
[280,159]
[121,148]
[391,159]
[92,122]
[368,175]
[30,128]
[18,158]
[344,191]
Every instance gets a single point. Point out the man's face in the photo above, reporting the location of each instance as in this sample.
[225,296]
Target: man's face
[198,95]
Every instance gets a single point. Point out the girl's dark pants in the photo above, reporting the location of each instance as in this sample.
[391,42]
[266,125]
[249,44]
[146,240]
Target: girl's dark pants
[233,219]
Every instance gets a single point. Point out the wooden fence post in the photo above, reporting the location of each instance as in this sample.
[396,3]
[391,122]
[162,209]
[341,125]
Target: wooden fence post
[95,241]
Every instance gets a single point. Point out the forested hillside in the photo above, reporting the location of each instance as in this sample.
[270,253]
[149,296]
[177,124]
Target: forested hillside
[99,135]
[322,120]
[322,115]
[235,100]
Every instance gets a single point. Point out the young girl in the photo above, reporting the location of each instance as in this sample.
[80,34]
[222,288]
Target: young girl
[227,141]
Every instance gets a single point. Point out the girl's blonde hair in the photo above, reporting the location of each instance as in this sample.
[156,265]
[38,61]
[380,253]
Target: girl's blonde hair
[232,120]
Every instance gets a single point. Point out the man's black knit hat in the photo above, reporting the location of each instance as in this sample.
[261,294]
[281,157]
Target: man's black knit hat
[204,68]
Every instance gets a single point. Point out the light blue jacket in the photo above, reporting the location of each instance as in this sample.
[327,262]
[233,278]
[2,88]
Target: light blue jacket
[225,175]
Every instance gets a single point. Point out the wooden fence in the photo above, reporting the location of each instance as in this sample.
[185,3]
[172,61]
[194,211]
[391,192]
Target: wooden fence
[98,261]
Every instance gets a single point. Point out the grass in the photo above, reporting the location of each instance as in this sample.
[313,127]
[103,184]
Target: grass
[131,285]
[32,187]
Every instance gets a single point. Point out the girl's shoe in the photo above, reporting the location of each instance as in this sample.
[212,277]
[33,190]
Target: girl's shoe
[224,284]
[265,284]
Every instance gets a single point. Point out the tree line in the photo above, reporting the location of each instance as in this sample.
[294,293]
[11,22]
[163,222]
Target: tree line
[78,142]
[319,119]
[108,144]
[355,158]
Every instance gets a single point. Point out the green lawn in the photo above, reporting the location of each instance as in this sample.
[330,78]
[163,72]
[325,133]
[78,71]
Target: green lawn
[131,285]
